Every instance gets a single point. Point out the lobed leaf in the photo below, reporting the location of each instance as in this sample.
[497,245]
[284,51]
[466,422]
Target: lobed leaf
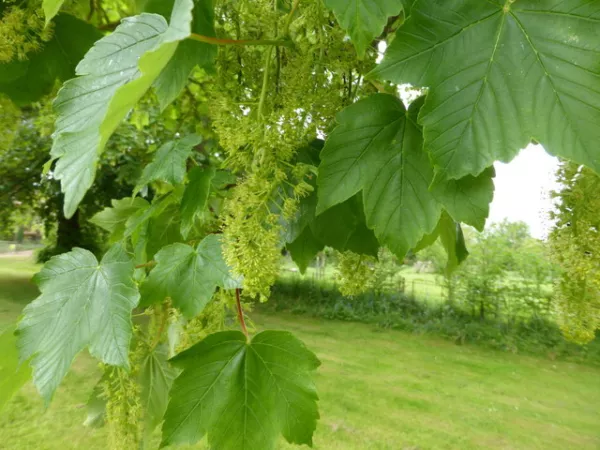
[501,73]
[113,76]
[83,303]
[242,394]
[188,275]
[377,148]
[169,163]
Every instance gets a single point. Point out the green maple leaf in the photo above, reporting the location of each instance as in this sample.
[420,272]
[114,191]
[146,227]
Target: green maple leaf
[195,197]
[13,375]
[364,20]
[377,148]
[169,163]
[156,378]
[113,76]
[28,81]
[502,73]
[114,219]
[51,8]
[83,303]
[188,275]
[243,394]
[467,200]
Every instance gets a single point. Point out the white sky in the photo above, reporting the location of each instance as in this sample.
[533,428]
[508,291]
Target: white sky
[522,190]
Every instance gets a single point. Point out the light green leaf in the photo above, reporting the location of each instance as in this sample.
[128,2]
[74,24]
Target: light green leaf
[114,219]
[243,394]
[189,54]
[364,20]
[195,197]
[113,76]
[468,199]
[169,163]
[156,379]
[96,404]
[502,73]
[188,275]
[51,8]
[83,303]
[453,240]
[377,149]
[13,375]
[28,81]
[451,236]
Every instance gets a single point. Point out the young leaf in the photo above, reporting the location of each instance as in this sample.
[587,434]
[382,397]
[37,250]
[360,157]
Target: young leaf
[377,148]
[243,395]
[169,163]
[364,20]
[114,219]
[467,200]
[499,74]
[51,8]
[28,81]
[13,375]
[195,197]
[83,303]
[156,379]
[188,275]
[113,76]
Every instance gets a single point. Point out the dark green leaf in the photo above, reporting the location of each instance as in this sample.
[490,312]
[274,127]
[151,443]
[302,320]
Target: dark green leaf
[195,197]
[304,249]
[188,276]
[189,54]
[28,81]
[243,395]
[501,73]
[453,241]
[169,163]
[156,379]
[83,303]
[377,148]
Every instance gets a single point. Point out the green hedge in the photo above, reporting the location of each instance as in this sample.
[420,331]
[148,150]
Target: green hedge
[533,335]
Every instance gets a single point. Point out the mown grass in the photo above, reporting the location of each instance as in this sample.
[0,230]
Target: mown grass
[379,389]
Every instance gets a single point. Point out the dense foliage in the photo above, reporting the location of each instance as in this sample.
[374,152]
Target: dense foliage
[201,232]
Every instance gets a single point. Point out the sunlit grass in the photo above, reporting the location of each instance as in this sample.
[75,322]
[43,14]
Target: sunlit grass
[379,390]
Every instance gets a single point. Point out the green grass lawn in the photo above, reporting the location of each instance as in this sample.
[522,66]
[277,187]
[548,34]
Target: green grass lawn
[379,390]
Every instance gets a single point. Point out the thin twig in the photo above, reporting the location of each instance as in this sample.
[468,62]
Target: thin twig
[241,313]
[220,41]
